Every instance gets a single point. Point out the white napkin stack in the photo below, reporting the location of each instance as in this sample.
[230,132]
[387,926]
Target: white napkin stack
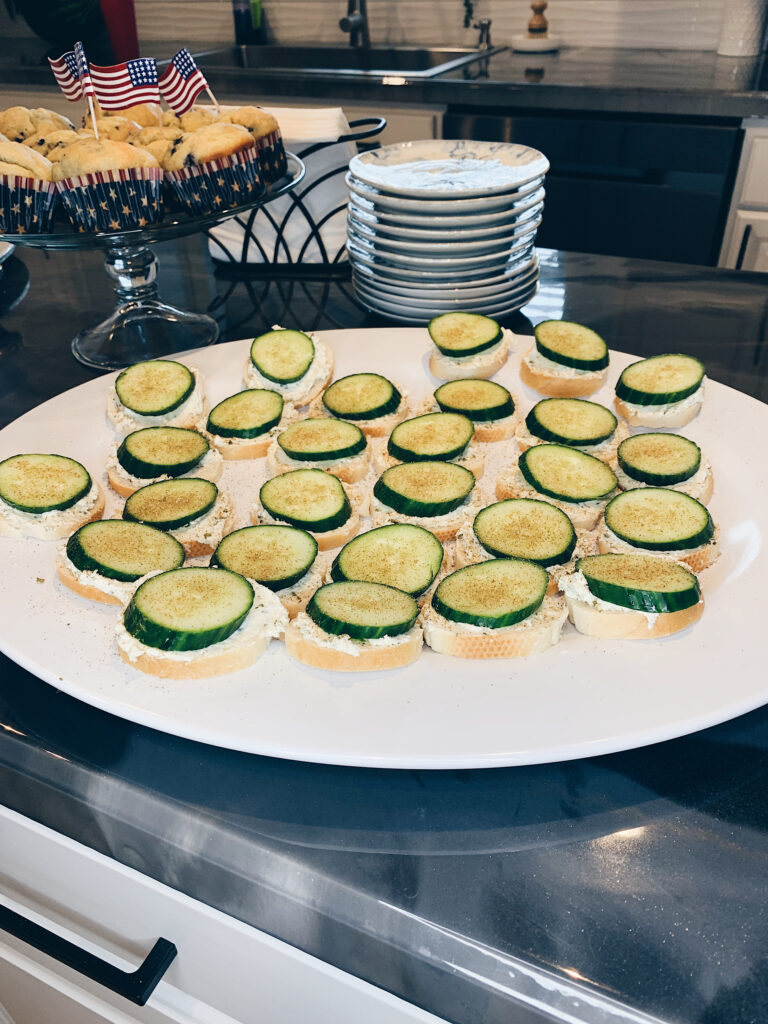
[301,127]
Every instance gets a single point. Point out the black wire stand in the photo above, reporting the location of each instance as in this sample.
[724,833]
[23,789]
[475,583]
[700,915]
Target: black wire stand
[279,262]
[142,326]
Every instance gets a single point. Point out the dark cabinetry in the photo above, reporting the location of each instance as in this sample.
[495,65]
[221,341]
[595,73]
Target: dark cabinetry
[620,186]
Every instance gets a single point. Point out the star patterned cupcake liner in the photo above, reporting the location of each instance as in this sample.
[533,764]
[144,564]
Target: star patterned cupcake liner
[218,184]
[119,200]
[26,205]
[272,158]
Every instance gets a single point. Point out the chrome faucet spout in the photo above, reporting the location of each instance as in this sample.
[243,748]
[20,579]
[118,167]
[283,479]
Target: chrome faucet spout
[484,28]
[356,23]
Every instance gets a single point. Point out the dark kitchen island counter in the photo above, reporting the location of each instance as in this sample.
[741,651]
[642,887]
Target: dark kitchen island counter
[629,887]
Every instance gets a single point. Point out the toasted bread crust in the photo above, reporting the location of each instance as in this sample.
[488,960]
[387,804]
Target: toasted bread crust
[349,472]
[512,642]
[69,579]
[370,659]
[447,368]
[202,664]
[555,386]
[496,430]
[697,559]
[246,448]
[629,625]
[325,541]
[28,528]
[382,426]
[651,417]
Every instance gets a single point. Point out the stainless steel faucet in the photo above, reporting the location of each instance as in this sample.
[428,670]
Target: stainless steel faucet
[484,39]
[356,23]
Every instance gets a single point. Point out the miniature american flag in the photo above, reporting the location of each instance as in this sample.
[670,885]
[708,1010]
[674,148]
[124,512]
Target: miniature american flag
[72,74]
[182,81]
[123,85]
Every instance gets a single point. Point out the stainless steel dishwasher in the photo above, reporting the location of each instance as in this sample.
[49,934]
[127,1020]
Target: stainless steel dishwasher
[651,188]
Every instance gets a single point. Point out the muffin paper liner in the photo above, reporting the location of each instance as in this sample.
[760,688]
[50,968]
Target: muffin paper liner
[272,159]
[218,184]
[119,200]
[26,205]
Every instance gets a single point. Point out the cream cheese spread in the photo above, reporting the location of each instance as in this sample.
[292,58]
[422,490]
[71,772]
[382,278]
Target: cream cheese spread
[551,614]
[469,364]
[608,541]
[538,362]
[693,486]
[299,390]
[267,618]
[669,407]
[280,457]
[208,468]
[605,449]
[208,528]
[50,525]
[383,514]
[188,414]
[512,478]
[120,589]
[312,632]
[576,588]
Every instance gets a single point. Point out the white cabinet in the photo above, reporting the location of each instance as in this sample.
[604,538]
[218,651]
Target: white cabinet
[225,971]
[745,241]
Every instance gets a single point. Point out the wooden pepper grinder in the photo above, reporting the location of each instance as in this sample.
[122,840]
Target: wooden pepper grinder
[537,39]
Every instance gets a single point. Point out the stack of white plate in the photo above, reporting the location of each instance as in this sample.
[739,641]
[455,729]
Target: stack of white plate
[444,225]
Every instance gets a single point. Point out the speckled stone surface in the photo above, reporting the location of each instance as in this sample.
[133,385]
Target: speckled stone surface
[626,887]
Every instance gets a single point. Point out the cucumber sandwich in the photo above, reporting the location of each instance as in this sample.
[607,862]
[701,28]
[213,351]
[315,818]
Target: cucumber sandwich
[567,360]
[466,345]
[663,391]
[46,496]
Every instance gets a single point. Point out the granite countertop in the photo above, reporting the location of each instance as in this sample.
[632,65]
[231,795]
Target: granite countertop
[629,887]
[679,83]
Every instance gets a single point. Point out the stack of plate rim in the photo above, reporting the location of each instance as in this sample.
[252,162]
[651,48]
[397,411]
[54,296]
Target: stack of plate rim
[443,225]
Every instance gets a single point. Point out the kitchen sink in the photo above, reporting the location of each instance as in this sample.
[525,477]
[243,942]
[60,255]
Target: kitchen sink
[411,62]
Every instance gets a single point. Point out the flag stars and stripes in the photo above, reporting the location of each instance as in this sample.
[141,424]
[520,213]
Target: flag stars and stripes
[182,82]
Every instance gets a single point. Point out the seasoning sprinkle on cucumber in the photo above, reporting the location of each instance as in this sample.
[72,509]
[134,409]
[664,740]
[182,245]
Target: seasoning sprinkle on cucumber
[361,396]
[283,356]
[398,555]
[154,387]
[275,556]
[123,551]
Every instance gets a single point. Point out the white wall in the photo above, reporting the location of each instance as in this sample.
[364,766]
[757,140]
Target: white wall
[663,24]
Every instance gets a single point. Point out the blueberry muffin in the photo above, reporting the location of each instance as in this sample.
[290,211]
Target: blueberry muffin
[214,168]
[27,193]
[266,133]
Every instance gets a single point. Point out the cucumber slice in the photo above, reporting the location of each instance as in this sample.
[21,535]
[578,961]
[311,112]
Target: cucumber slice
[283,356]
[571,345]
[246,414]
[275,556]
[399,555]
[42,483]
[660,459]
[566,473]
[658,519]
[171,504]
[308,498]
[660,380]
[188,609]
[641,582]
[123,551]
[322,440]
[154,387]
[463,334]
[494,594]
[436,435]
[161,451]
[480,400]
[526,528]
[423,489]
[362,611]
[362,396]
[572,421]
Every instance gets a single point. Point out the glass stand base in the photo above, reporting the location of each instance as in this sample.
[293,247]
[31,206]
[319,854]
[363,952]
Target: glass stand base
[146,329]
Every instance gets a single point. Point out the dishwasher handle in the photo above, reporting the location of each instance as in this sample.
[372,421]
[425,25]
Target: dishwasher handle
[137,986]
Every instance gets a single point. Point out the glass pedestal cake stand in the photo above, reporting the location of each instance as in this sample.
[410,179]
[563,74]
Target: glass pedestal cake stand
[142,326]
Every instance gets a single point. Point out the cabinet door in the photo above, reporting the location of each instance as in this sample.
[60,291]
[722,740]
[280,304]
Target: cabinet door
[226,972]
[748,249]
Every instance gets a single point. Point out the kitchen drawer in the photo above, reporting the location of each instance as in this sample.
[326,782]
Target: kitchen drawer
[755,187]
[748,248]
[224,972]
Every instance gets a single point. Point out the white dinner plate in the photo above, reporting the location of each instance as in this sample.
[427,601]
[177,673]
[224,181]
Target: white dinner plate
[413,275]
[453,206]
[458,300]
[429,226]
[428,292]
[436,261]
[411,313]
[449,241]
[420,282]
[581,698]
[445,168]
